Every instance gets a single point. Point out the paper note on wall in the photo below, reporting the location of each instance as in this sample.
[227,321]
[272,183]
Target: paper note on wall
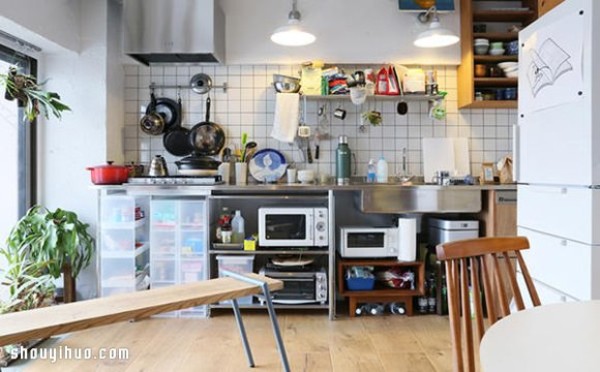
[449,154]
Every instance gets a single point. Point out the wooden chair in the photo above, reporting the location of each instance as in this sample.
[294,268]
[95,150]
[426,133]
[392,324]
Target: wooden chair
[475,269]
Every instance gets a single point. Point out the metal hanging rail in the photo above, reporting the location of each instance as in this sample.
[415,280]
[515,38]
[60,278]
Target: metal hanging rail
[199,83]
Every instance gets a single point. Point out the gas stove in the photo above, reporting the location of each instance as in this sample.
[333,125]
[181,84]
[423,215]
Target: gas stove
[176,180]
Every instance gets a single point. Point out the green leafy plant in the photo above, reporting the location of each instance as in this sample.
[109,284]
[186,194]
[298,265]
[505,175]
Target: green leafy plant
[29,94]
[29,283]
[55,239]
[373,117]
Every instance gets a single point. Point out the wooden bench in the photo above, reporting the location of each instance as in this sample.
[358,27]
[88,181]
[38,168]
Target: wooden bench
[54,320]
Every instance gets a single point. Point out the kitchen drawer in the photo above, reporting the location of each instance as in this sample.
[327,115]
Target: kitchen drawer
[567,266]
[570,213]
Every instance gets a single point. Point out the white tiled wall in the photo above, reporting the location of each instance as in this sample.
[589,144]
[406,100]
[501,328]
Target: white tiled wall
[248,106]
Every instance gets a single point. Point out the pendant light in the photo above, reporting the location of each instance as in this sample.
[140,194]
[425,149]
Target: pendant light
[435,36]
[292,34]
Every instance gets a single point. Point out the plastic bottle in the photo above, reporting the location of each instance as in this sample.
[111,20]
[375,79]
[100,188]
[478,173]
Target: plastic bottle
[342,161]
[362,310]
[397,308]
[237,225]
[371,175]
[376,309]
[431,299]
[382,170]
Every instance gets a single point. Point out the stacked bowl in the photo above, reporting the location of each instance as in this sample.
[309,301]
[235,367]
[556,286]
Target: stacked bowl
[497,48]
[481,46]
[511,69]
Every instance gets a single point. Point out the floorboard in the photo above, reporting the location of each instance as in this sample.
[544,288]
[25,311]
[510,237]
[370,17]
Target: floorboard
[313,343]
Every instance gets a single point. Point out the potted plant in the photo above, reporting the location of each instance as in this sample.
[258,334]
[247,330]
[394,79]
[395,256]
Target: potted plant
[29,286]
[57,240]
[29,95]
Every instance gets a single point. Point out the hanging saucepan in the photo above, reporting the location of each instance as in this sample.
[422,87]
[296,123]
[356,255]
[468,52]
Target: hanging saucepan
[207,138]
[168,109]
[152,123]
[176,140]
[201,83]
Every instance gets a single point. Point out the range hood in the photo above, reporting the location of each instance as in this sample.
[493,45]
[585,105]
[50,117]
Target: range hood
[174,31]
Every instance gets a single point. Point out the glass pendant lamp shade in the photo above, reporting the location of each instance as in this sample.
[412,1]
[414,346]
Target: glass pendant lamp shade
[292,34]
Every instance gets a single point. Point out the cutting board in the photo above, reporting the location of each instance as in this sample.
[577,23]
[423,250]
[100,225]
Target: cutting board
[451,154]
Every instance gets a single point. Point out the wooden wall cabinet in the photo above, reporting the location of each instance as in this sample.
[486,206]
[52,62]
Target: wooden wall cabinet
[497,19]
[544,6]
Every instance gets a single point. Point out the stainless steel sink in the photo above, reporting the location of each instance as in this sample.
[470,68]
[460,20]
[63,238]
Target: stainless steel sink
[389,198]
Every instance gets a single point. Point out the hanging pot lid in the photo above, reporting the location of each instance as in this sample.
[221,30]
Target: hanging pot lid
[201,83]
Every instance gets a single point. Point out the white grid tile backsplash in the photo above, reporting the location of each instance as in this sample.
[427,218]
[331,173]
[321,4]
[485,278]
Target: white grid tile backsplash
[249,103]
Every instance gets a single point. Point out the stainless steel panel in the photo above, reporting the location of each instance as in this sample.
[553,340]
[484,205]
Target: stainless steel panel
[174,30]
[415,200]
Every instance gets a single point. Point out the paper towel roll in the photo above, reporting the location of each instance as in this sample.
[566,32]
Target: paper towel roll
[407,230]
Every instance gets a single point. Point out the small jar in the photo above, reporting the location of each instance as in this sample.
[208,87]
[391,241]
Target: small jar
[478,96]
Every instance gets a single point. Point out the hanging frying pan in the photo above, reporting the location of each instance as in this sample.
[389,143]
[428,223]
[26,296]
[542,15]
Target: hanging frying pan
[167,108]
[207,138]
[176,140]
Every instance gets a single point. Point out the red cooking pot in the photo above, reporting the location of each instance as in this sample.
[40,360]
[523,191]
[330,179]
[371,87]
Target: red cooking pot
[109,174]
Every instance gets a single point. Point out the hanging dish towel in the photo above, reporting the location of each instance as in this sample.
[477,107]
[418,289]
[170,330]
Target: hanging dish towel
[285,123]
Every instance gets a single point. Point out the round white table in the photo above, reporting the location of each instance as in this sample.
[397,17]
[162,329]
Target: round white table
[559,337]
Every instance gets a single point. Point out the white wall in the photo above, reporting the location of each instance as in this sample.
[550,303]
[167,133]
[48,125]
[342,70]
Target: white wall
[79,140]
[348,31]
[52,25]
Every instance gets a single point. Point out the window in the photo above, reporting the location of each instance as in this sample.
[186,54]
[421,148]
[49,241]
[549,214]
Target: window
[17,141]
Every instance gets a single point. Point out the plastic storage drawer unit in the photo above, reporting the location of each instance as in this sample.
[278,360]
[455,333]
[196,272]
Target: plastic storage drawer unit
[238,264]
[444,231]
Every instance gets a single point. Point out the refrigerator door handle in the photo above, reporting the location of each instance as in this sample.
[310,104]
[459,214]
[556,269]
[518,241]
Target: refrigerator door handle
[516,159]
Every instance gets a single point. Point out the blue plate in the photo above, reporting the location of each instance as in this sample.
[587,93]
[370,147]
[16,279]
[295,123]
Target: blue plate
[267,165]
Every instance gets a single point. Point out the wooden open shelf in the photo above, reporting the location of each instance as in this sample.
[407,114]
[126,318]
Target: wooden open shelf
[381,294]
[517,12]
[503,15]
[496,36]
[494,59]
[495,82]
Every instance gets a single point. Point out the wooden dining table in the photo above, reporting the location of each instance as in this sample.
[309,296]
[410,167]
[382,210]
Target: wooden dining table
[557,337]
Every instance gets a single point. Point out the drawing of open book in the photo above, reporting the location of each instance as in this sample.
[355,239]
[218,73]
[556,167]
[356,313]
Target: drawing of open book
[548,63]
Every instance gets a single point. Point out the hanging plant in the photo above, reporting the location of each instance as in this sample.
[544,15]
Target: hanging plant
[29,94]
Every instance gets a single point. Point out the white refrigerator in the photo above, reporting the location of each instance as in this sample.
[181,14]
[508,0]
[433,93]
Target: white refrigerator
[558,151]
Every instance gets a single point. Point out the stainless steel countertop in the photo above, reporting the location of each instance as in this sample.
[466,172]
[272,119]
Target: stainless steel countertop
[305,188]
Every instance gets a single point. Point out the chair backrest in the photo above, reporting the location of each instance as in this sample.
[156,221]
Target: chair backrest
[476,269]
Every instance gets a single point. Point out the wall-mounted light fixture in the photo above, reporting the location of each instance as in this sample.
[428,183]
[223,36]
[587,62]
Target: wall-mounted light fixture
[436,36]
[292,34]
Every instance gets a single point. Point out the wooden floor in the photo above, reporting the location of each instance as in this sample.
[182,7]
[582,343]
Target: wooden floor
[313,343]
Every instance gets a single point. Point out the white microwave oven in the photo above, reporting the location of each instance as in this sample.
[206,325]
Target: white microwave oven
[396,241]
[293,227]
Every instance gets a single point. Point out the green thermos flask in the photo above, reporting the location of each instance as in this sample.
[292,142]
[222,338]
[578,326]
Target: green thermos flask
[342,161]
